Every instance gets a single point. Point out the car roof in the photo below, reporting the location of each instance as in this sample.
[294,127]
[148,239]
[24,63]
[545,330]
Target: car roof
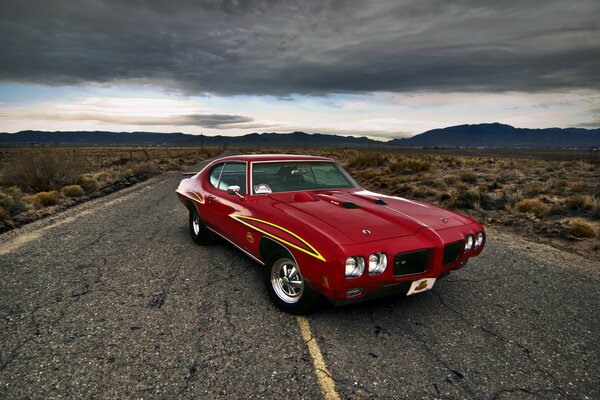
[273,157]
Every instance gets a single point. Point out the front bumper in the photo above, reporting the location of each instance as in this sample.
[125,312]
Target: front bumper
[440,247]
[378,292]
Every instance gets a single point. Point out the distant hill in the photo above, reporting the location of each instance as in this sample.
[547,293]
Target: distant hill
[480,135]
[500,135]
[103,138]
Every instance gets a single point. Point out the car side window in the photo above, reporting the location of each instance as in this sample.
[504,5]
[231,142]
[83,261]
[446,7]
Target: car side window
[215,174]
[234,174]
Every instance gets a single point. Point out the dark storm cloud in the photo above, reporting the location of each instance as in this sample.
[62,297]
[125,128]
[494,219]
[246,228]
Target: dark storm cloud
[311,47]
[209,121]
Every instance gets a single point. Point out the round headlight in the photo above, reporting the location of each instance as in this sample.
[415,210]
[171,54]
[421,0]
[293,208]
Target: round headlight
[377,263]
[468,243]
[355,266]
[478,239]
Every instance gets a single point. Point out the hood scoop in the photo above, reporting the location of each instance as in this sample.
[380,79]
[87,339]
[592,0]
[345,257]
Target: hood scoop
[336,201]
[379,201]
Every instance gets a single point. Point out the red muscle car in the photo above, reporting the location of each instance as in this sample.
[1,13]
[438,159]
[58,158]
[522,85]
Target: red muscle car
[318,233]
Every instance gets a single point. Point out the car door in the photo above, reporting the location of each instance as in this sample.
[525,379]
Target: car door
[222,204]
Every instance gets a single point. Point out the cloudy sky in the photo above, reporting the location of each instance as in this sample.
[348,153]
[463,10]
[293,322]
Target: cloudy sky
[377,68]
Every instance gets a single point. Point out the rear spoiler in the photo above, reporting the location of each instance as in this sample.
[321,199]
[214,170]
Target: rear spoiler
[188,173]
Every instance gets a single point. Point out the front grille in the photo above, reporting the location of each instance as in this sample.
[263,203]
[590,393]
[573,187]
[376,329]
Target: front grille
[414,262]
[452,251]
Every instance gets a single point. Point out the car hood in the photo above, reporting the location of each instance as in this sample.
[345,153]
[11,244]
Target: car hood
[365,216]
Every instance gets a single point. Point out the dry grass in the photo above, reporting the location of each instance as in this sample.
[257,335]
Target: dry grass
[89,184]
[73,191]
[42,170]
[4,214]
[533,206]
[43,199]
[408,166]
[582,229]
[366,160]
[580,202]
[12,203]
[32,178]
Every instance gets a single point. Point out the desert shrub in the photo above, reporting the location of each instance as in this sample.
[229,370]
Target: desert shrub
[43,170]
[450,180]
[465,198]
[461,186]
[4,214]
[511,175]
[535,188]
[438,184]
[119,161]
[73,191]
[14,192]
[383,182]
[580,202]
[452,161]
[144,169]
[444,196]
[409,166]
[557,186]
[87,183]
[367,175]
[533,206]
[511,196]
[580,228]
[366,160]
[6,201]
[468,177]
[424,191]
[12,202]
[578,186]
[42,199]
[405,189]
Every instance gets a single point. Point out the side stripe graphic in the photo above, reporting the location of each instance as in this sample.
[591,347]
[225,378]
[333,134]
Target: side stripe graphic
[192,196]
[301,244]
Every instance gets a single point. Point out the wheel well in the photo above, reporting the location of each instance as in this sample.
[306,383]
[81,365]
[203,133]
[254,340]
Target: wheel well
[268,246]
[190,205]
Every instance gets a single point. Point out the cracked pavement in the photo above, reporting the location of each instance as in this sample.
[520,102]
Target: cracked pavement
[112,299]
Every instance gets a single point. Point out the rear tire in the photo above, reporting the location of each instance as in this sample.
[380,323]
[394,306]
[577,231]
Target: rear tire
[200,233]
[286,286]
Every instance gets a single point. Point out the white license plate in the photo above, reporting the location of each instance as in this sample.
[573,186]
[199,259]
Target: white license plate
[421,285]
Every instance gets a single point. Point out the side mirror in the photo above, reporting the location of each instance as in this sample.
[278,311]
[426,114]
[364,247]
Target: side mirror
[234,189]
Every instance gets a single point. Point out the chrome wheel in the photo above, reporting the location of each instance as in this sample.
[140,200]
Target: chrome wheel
[286,280]
[196,224]
[200,233]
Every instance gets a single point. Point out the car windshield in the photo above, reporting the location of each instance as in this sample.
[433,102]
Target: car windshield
[275,177]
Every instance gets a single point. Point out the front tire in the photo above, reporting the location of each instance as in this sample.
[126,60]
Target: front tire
[286,286]
[200,233]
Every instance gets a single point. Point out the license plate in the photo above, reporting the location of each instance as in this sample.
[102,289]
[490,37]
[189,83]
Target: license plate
[421,285]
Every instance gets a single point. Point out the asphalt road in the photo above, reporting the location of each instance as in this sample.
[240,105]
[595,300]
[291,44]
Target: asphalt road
[112,299]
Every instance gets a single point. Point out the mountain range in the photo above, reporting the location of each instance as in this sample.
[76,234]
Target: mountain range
[479,135]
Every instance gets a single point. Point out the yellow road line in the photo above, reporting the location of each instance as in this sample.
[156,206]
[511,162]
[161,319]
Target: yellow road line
[324,377]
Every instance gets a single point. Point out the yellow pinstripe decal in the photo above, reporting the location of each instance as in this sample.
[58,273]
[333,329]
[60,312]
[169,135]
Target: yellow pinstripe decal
[197,198]
[313,252]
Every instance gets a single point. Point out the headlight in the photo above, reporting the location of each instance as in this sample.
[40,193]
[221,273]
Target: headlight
[468,243]
[355,266]
[478,240]
[377,263]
